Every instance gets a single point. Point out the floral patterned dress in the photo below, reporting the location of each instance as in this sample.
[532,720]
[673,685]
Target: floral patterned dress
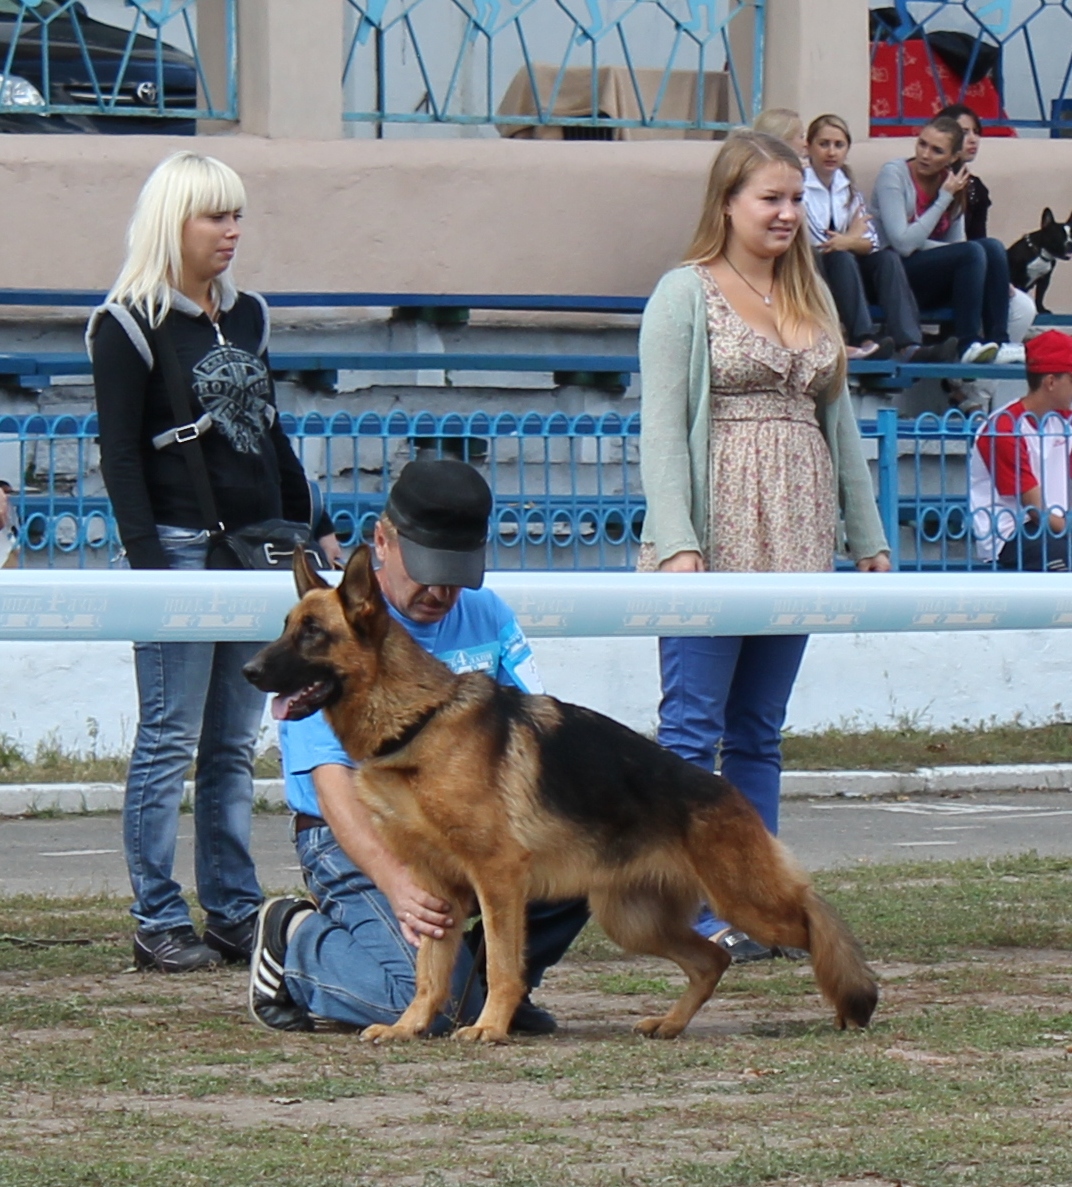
[772,506]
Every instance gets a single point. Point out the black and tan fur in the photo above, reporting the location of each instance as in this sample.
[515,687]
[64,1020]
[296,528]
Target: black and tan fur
[485,791]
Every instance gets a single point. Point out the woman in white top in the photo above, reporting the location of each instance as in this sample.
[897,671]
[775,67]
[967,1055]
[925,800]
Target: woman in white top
[857,270]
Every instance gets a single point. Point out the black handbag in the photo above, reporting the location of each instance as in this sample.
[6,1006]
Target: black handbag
[270,544]
[267,545]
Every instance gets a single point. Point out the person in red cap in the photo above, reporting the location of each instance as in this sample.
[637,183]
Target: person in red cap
[1021,465]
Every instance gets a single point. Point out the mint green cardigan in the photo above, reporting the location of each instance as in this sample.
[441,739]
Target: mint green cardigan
[675,429]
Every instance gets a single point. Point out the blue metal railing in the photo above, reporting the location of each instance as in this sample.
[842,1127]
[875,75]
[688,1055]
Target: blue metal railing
[567,489]
[452,61]
[62,68]
[1024,47]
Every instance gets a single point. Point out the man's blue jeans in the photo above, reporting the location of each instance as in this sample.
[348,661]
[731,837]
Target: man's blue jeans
[350,962]
[192,696]
[728,695]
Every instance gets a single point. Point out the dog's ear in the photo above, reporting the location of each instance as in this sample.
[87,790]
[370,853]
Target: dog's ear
[306,578]
[1047,218]
[359,591]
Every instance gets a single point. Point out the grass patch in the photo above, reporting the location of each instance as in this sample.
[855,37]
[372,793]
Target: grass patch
[112,1079]
[908,747]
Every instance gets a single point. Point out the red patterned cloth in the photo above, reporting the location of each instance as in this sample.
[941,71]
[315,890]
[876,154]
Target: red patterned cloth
[924,91]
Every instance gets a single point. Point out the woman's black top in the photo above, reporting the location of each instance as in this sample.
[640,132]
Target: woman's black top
[976,205]
[252,468]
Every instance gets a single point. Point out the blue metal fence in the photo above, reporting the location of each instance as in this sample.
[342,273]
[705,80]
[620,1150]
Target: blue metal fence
[453,62]
[567,489]
[1022,47]
[64,70]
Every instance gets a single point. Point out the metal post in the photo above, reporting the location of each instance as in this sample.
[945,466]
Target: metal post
[888,481]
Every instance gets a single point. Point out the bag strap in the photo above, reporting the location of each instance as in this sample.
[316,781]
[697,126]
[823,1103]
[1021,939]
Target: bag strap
[187,430]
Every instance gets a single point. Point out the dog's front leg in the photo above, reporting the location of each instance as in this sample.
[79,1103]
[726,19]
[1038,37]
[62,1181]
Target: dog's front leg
[502,908]
[1041,286]
[435,967]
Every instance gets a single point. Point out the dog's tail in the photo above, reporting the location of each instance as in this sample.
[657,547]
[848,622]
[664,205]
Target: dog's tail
[752,881]
[843,976]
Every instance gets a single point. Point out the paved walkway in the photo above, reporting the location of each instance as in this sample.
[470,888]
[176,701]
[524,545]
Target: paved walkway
[82,854]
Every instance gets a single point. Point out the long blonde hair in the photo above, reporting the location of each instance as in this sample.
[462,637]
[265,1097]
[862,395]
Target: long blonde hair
[184,185]
[803,299]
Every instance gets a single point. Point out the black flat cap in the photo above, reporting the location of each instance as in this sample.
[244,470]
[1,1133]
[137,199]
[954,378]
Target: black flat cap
[441,510]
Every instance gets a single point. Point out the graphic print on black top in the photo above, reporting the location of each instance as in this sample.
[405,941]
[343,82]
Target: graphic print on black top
[233,387]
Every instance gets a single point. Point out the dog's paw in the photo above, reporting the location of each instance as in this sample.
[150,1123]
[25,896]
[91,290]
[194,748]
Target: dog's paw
[481,1034]
[379,1033]
[658,1028]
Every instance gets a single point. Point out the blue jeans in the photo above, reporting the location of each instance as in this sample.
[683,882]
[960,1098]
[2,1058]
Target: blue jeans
[974,276]
[350,962]
[729,695]
[192,696]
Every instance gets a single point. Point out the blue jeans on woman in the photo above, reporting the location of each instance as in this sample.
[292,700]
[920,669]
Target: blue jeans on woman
[349,961]
[973,276]
[729,695]
[192,697]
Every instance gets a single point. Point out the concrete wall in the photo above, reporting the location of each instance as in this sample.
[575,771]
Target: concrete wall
[931,680]
[436,216]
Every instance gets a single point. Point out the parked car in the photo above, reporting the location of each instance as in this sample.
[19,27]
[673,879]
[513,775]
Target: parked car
[87,64]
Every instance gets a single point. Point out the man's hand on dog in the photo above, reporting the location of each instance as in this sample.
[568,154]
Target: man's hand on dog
[418,912]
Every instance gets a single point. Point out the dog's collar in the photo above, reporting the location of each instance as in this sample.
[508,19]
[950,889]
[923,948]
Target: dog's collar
[1047,257]
[393,745]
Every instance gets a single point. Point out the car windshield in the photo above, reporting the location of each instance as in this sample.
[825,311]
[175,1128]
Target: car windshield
[43,9]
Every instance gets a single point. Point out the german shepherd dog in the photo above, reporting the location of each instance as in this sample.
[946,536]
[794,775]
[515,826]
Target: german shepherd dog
[488,792]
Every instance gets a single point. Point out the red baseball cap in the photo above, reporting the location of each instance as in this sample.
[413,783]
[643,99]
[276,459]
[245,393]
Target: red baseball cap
[1049,354]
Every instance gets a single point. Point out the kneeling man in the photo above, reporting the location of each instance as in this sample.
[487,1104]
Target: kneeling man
[349,957]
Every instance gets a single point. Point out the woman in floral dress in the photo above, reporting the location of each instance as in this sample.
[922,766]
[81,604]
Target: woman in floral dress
[749,451]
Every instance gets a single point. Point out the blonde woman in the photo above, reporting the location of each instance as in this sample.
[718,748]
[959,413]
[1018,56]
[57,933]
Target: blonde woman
[176,294]
[785,124]
[748,450]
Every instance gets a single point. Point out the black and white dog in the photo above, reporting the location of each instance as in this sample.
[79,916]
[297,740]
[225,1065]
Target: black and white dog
[1033,258]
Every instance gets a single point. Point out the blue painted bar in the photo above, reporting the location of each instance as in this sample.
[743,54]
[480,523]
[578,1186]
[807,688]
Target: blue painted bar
[72,61]
[183,606]
[420,64]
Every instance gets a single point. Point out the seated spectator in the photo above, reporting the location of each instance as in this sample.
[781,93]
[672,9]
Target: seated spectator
[784,124]
[918,206]
[1019,466]
[977,203]
[855,268]
[347,956]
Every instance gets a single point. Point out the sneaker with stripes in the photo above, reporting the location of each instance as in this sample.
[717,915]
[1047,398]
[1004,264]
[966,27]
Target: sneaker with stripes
[270,1003]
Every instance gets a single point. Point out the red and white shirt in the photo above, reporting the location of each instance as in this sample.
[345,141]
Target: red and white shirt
[1015,451]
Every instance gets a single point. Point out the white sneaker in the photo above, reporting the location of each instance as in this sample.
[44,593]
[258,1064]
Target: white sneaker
[1011,352]
[980,352]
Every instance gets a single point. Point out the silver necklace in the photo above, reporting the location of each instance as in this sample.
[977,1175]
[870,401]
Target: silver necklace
[765,298]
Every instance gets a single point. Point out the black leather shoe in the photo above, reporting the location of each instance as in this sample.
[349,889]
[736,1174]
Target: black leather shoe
[270,1003]
[741,947]
[792,953]
[175,951]
[530,1019]
[233,943]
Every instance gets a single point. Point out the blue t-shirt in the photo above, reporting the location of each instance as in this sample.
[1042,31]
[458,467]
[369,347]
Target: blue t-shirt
[480,634]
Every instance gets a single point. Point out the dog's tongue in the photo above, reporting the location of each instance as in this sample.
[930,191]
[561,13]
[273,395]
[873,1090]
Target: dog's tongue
[281,705]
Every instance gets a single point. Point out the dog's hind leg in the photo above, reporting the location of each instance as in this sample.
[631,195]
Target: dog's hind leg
[656,921]
[752,882]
